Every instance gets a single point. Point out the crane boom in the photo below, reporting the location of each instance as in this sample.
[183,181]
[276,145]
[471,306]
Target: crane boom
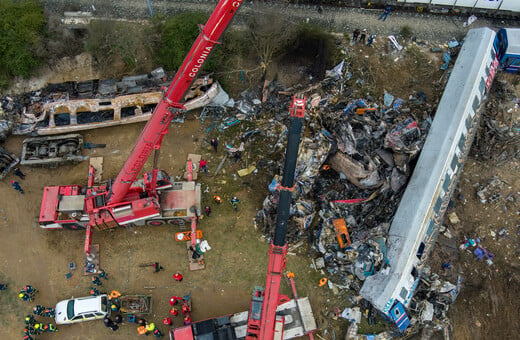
[168,108]
[263,327]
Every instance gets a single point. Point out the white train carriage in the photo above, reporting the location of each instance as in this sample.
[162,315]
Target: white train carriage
[492,6]
[416,223]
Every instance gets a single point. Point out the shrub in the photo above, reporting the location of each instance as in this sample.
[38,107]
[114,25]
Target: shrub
[21,29]
[120,47]
[177,35]
[406,32]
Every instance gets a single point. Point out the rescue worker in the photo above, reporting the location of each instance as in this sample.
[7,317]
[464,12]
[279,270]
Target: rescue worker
[29,330]
[114,295]
[174,311]
[16,186]
[234,202]
[18,173]
[38,310]
[177,277]
[27,337]
[108,323]
[24,296]
[214,144]
[167,321]
[174,299]
[49,312]
[187,320]
[207,210]
[157,267]
[202,164]
[371,39]
[355,35]
[30,290]
[185,308]
[29,320]
[94,291]
[51,328]
[141,330]
[196,252]
[150,328]
[385,13]
[102,274]
[3,286]
[157,333]
[114,308]
[118,319]
[38,328]
[363,36]
[96,281]
[217,199]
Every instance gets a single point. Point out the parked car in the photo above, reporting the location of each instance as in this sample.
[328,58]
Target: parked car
[82,309]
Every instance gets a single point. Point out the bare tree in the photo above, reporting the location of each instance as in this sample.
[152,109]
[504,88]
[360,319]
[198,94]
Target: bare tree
[270,35]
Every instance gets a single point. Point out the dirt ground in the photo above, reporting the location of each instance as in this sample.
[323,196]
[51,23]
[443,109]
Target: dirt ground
[35,256]
[486,309]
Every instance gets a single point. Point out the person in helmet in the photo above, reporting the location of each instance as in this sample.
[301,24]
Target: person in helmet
[16,186]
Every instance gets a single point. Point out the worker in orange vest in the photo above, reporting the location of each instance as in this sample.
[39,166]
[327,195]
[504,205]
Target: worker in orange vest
[217,199]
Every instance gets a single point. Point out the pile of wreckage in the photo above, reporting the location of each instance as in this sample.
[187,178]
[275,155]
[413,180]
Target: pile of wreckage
[350,177]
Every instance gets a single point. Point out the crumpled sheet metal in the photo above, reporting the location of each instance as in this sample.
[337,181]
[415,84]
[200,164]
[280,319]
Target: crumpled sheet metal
[356,172]
[312,155]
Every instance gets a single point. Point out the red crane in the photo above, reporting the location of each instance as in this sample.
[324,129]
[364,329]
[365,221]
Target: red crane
[263,323]
[271,316]
[128,200]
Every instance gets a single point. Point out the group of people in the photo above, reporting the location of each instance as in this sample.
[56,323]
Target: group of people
[32,326]
[96,281]
[218,200]
[362,37]
[27,293]
[145,328]
[185,310]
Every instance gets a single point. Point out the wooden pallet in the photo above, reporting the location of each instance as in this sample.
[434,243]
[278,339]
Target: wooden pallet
[97,163]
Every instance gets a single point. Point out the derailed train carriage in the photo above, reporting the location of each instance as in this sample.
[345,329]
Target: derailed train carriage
[416,223]
[499,8]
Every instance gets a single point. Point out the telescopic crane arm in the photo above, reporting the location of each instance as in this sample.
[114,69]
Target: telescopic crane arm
[264,327]
[168,108]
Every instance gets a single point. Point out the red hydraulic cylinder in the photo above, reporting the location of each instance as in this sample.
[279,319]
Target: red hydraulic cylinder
[167,108]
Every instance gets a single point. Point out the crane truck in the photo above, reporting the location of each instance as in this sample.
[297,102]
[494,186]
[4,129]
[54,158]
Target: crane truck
[272,316]
[156,199]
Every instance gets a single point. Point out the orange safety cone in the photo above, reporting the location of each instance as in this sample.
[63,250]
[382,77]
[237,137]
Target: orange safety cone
[323,282]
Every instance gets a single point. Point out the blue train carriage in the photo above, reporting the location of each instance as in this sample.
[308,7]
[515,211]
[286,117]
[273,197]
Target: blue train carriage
[415,225]
[507,44]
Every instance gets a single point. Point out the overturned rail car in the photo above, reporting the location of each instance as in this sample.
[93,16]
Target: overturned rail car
[52,151]
[416,223]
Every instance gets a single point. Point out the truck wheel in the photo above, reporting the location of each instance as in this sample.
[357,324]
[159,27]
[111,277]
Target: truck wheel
[155,223]
[176,222]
